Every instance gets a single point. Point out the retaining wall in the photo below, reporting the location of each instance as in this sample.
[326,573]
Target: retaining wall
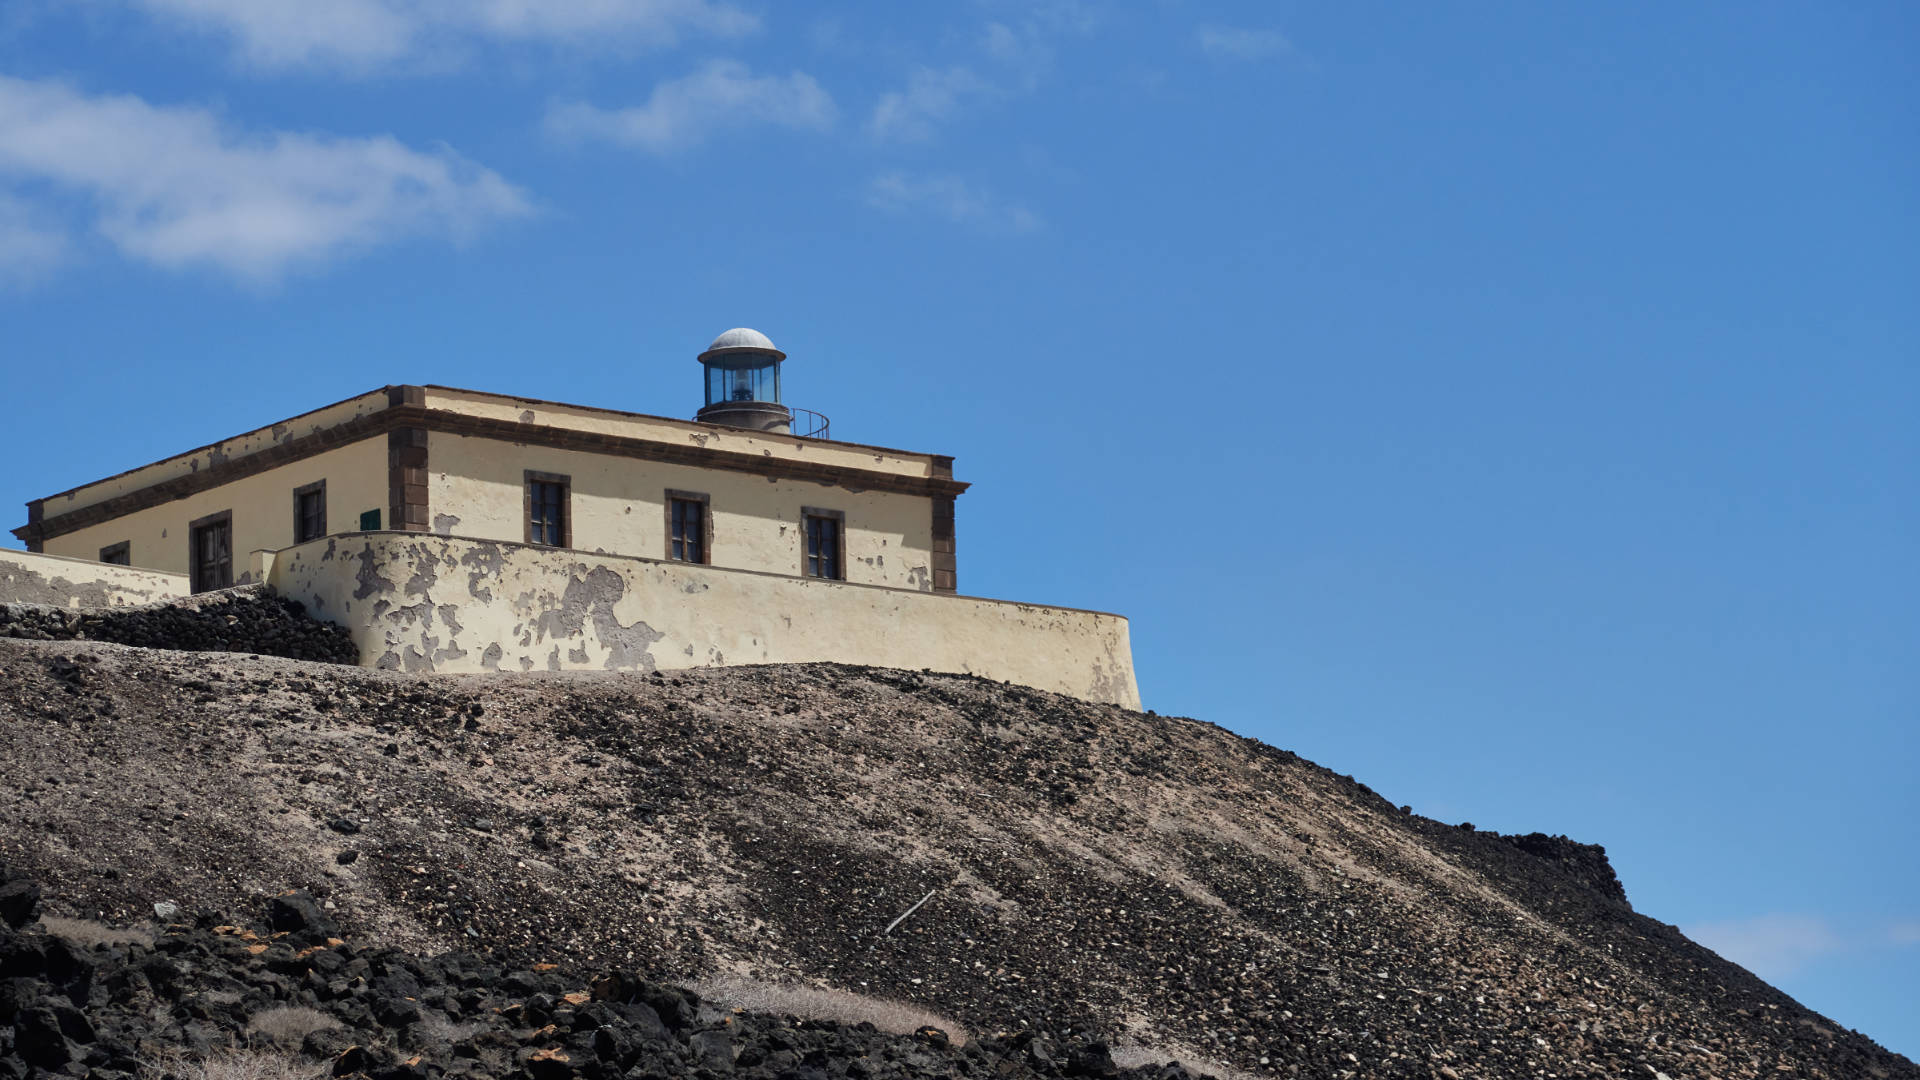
[449,604]
[57,581]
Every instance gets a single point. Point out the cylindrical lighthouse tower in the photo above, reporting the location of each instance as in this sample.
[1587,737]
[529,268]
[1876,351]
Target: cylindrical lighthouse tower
[743,383]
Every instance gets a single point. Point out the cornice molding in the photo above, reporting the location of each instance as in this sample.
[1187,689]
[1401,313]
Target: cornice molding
[407,413]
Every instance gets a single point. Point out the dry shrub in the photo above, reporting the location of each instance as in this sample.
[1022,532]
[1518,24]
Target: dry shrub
[437,1028]
[86,933]
[1135,1055]
[820,1003]
[286,1025]
[231,1065]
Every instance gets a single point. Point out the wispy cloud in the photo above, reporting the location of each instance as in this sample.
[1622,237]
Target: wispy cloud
[1241,43]
[1905,933]
[683,111]
[1773,947]
[1013,60]
[176,187]
[951,198]
[368,34]
[931,95]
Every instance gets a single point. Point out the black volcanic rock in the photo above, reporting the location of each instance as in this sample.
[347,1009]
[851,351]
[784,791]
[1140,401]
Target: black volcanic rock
[247,619]
[1007,861]
[19,900]
[395,1041]
[295,912]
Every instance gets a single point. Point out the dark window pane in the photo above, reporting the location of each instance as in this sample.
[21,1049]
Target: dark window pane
[547,521]
[687,537]
[213,562]
[311,516]
[823,547]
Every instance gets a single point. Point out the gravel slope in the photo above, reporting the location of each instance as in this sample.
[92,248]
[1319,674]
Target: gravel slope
[1159,880]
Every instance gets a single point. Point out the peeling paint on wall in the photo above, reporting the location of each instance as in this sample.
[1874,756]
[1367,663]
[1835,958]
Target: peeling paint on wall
[591,597]
[425,573]
[30,578]
[486,561]
[534,607]
[368,576]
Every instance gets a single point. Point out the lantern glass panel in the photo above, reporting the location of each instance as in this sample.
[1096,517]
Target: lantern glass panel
[756,383]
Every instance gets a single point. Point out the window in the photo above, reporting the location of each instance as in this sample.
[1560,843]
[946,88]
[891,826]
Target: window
[547,498]
[210,557]
[310,512]
[688,526]
[825,543]
[370,521]
[120,554]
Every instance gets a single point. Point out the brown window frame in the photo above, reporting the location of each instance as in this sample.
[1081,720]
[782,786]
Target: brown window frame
[533,477]
[197,581]
[707,525]
[120,554]
[839,519]
[318,487]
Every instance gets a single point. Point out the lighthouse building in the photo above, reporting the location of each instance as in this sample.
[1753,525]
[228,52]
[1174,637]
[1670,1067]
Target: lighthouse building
[454,529]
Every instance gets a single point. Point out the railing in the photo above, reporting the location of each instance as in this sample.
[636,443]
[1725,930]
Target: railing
[809,424]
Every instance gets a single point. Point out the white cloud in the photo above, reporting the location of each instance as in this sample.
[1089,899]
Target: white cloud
[1905,933]
[374,33]
[931,95]
[31,244]
[175,187]
[1018,57]
[1771,946]
[951,198]
[683,111]
[1237,43]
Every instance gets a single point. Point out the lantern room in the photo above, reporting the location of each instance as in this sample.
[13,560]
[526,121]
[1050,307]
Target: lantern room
[742,370]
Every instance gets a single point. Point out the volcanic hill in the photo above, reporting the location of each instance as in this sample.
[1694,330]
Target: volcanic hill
[1162,882]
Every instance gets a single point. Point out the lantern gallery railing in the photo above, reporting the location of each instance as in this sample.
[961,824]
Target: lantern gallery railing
[809,424]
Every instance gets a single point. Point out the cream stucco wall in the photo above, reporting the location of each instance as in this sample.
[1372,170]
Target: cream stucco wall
[209,456]
[425,603]
[29,578]
[262,505]
[477,487]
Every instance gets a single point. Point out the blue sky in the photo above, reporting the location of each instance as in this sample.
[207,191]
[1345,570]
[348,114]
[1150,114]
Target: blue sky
[1512,405]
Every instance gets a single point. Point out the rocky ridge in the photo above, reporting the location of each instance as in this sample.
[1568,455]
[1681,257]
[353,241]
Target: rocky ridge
[1157,882]
[287,987]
